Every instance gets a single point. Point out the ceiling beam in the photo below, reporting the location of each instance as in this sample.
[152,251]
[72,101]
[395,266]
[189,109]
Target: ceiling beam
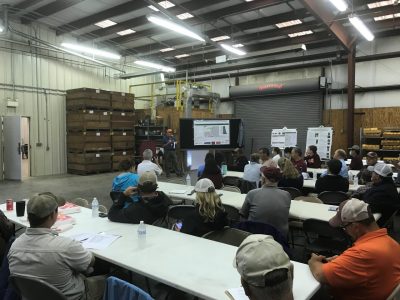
[247,25]
[100,16]
[48,10]
[139,21]
[26,4]
[324,13]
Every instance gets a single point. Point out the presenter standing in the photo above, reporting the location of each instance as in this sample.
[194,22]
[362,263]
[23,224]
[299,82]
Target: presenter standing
[169,145]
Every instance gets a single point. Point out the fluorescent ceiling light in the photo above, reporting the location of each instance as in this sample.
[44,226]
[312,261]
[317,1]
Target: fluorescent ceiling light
[1,28]
[341,5]
[166,4]
[153,7]
[154,66]
[301,33]
[360,26]
[91,51]
[232,49]
[249,0]
[381,3]
[386,17]
[182,55]
[288,23]
[166,49]
[126,32]
[185,16]
[174,27]
[238,45]
[105,23]
[303,47]
[220,38]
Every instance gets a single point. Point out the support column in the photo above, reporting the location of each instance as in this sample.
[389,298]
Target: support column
[351,74]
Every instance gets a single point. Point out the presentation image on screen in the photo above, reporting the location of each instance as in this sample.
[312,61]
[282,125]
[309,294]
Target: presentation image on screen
[211,132]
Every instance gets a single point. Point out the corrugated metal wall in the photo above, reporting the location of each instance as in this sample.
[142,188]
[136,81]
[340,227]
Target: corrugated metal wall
[57,72]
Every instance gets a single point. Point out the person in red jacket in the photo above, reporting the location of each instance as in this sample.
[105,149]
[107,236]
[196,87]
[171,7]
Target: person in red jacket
[298,160]
[312,158]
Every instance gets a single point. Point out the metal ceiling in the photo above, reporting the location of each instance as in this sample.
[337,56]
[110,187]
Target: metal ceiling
[249,23]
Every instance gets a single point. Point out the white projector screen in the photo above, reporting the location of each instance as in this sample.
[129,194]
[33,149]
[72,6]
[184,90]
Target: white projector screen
[211,132]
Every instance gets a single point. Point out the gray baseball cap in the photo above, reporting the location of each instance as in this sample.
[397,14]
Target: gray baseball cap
[41,205]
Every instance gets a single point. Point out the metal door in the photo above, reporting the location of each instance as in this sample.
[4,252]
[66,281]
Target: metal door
[12,147]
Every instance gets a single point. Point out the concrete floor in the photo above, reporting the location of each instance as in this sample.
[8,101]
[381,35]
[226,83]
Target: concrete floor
[69,186]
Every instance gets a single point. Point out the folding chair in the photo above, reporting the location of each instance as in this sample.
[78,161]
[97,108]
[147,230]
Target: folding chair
[227,235]
[333,197]
[292,191]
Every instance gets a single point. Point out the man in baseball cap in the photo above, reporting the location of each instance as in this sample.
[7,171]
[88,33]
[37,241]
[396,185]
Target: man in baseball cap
[382,196]
[370,269]
[268,204]
[356,159]
[365,173]
[265,269]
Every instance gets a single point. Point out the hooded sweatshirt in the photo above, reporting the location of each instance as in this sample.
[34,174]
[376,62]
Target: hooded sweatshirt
[146,209]
[124,180]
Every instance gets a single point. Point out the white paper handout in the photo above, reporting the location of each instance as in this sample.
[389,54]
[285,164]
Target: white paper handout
[236,294]
[97,241]
[178,192]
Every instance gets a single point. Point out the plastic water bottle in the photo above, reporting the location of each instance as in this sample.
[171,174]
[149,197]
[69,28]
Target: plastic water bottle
[355,181]
[188,180]
[141,231]
[95,208]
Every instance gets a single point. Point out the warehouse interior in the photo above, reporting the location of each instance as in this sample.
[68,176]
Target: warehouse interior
[86,84]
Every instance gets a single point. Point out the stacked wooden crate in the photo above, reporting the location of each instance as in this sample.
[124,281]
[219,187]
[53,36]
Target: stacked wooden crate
[90,133]
[122,127]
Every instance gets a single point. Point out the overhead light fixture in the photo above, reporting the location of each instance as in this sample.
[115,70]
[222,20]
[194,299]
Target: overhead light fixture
[360,26]
[249,0]
[174,27]
[386,17]
[220,38]
[301,33]
[166,4]
[303,47]
[166,49]
[184,16]
[233,49]
[238,45]
[105,23]
[92,51]
[126,32]
[153,7]
[154,66]
[1,28]
[182,55]
[381,3]
[341,5]
[288,23]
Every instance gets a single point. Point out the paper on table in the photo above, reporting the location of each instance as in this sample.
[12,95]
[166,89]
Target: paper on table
[236,294]
[99,241]
[178,192]
[81,237]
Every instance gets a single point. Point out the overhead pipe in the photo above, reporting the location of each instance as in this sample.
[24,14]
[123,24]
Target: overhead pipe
[29,37]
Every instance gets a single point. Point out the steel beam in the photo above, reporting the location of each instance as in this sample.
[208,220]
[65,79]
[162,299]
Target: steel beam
[351,74]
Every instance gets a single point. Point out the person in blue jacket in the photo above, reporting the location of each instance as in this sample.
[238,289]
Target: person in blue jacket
[126,178]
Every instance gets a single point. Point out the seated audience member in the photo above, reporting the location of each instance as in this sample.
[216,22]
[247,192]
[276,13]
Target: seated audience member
[366,171]
[252,171]
[268,204]
[240,161]
[212,172]
[220,159]
[290,176]
[152,204]
[265,158]
[276,154]
[382,197]
[340,155]
[398,174]
[209,213]
[265,269]
[42,254]
[332,181]
[148,165]
[312,158]
[200,169]
[287,152]
[126,179]
[359,193]
[356,159]
[370,269]
[298,160]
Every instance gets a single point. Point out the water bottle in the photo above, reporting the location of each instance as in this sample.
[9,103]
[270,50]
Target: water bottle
[141,231]
[355,181]
[188,180]
[95,208]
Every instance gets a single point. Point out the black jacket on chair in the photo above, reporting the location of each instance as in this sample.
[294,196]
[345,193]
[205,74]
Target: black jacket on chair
[383,198]
[194,224]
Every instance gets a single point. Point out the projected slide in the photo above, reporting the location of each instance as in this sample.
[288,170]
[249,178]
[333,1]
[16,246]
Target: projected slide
[211,132]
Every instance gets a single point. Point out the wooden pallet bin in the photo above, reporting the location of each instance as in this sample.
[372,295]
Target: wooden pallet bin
[85,98]
[122,101]
[84,141]
[88,119]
